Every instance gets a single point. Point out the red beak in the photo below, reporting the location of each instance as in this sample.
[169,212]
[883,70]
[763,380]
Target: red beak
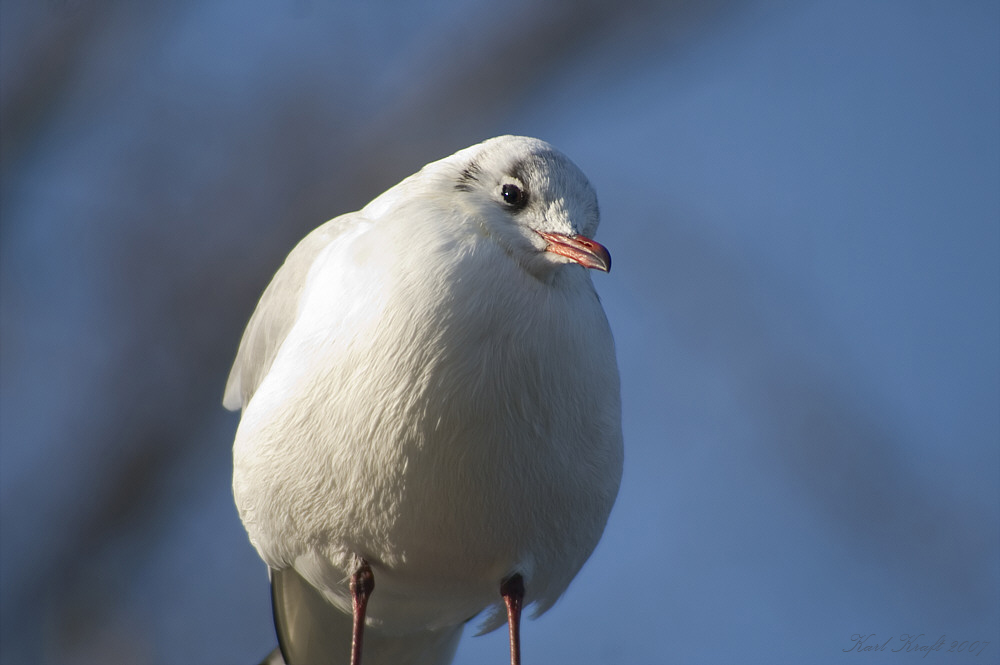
[583,250]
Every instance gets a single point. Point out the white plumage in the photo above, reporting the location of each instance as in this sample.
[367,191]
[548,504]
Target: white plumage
[429,384]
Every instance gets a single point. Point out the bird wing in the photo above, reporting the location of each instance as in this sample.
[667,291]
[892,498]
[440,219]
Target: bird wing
[276,313]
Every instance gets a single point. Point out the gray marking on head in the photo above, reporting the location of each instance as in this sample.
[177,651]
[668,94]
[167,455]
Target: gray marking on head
[470,175]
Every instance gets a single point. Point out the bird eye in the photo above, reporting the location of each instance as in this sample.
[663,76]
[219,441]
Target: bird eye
[514,196]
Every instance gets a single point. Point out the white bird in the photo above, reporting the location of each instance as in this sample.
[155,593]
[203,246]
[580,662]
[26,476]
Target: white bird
[431,402]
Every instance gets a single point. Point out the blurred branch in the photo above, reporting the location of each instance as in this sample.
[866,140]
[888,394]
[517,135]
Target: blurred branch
[184,212]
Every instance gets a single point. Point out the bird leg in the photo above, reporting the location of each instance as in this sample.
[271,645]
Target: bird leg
[512,590]
[362,585]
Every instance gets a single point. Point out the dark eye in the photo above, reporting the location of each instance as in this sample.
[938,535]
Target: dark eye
[514,196]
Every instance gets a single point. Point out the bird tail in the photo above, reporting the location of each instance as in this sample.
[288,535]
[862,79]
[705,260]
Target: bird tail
[311,630]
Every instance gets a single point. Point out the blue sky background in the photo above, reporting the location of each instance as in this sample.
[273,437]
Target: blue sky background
[803,205]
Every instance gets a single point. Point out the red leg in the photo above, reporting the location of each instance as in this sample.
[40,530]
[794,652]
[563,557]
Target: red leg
[362,585]
[512,590]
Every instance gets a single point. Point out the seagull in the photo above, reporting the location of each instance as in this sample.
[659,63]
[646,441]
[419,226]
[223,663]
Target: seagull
[431,411]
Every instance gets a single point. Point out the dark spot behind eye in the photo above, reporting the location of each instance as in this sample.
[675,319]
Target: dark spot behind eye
[469,175]
[514,196]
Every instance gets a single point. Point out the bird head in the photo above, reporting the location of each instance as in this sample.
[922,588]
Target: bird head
[530,199]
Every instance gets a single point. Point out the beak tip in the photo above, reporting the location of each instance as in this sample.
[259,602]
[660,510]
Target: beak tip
[581,249]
